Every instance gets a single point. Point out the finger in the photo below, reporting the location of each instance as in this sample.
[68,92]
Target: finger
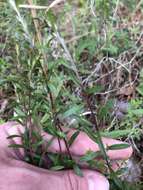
[80,146]
[83,143]
[6,130]
[42,179]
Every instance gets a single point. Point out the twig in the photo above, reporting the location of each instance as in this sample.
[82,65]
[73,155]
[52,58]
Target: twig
[120,63]
[92,5]
[39,36]
[36,24]
[113,90]
[116,8]
[33,7]
[137,7]
[95,70]
[63,44]
[138,40]
[54,3]
[113,70]
[39,7]
[75,38]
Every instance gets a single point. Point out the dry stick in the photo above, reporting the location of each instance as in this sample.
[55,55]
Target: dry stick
[54,3]
[36,24]
[137,7]
[116,8]
[38,7]
[113,70]
[39,36]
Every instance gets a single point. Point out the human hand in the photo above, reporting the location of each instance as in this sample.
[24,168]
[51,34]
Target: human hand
[19,175]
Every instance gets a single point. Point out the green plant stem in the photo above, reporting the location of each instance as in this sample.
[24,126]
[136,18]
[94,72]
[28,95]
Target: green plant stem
[59,127]
[99,138]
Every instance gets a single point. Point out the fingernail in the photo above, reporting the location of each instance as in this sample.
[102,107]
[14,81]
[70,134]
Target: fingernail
[97,183]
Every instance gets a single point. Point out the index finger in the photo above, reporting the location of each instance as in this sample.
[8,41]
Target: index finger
[84,143]
[80,146]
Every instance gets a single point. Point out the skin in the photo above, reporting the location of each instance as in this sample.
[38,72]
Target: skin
[18,175]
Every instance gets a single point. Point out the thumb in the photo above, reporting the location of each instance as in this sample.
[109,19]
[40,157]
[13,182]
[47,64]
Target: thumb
[38,178]
[68,180]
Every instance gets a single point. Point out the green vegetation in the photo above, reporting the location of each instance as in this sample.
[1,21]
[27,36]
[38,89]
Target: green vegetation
[69,68]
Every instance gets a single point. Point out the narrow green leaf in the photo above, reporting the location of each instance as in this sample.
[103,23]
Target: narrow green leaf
[56,84]
[73,111]
[37,156]
[61,135]
[118,146]
[77,170]
[73,137]
[82,121]
[90,156]
[140,89]
[74,78]
[51,17]
[101,146]
[36,145]
[137,112]
[56,168]
[13,136]
[116,134]
[20,112]
[16,146]
[45,118]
